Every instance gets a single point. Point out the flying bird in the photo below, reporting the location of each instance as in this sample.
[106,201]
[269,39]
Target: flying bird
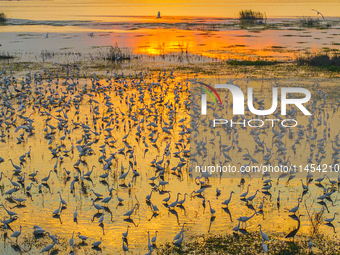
[318,13]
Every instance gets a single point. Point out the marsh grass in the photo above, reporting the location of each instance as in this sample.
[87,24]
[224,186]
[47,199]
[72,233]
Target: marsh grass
[315,218]
[5,56]
[253,63]
[2,17]
[327,60]
[251,16]
[250,243]
[310,22]
[118,54]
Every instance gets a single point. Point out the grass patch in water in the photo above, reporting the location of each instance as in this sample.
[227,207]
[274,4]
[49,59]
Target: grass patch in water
[251,16]
[253,63]
[6,56]
[325,60]
[2,17]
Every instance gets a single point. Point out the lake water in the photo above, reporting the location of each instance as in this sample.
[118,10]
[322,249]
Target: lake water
[147,10]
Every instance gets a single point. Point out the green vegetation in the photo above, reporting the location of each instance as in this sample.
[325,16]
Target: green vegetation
[2,17]
[328,61]
[309,22]
[3,56]
[252,63]
[251,16]
[249,244]
[118,54]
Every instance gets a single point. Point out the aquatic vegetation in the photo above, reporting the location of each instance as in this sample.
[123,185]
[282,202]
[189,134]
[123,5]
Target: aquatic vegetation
[5,56]
[330,61]
[2,17]
[253,63]
[249,243]
[309,22]
[251,16]
[118,54]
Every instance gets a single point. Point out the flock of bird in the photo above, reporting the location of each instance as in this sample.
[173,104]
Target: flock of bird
[121,129]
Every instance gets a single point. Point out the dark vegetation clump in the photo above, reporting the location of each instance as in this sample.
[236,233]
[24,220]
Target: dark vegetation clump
[2,17]
[321,59]
[118,54]
[252,16]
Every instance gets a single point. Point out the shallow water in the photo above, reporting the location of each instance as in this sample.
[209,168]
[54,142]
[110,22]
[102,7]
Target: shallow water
[38,209]
[224,44]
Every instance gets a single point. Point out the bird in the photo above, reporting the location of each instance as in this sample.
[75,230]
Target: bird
[57,211]
[310,244]
[251,198]
[129,213]
[38,230]
[148,197]
[304,187]
[106,200]
[181,202]
[218,192]
[166,200]
[120,200]
[296,208]
[154,208]
[179,241]
[53,237]
[212,211]
[71,242]
[319,180]
[153,239]
[293,233]
[34,174]
[46,36]
[158,15]
[47,248]
[318,13]
[173,204]
[97,243]
[97,206]
[227,201]
[264,235]
[98,195]
[63,202]
[47,177]
[125,248]
[75,214]
[83,238]
[264,246]
[262,204]
[329,220]
[10,213]
[125,234]
[245,193]
[180,233]
[244,219]
[16,234]
[150,247]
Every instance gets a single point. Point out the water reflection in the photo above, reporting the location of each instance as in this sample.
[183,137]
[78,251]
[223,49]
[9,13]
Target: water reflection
[123,168]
